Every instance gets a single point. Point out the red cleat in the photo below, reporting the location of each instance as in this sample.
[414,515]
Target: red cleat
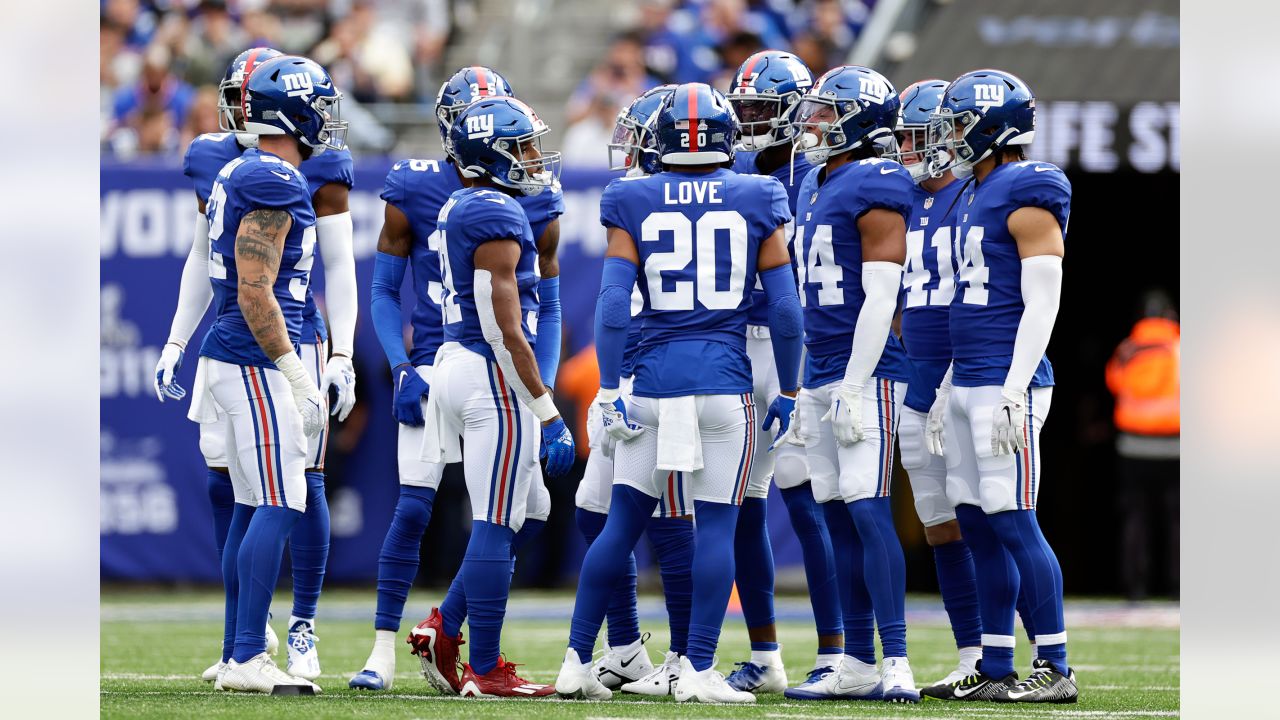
[438,653]
[501,681]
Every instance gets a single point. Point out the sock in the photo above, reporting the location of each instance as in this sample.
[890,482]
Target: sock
[753,569]
[258,567]
[384,649]
[223,500]
[398,559]
[1019,531]
[855,603]
[605,565]
[237,525]
[673,541]
[1028,622]
[819,563]
[830,650]
[623,616]
[829,657]
[997,589]
[309,549]
[885,569]
[764,646]
[713,567]
[959,588]
[528,531]
[766,657]
[486,569]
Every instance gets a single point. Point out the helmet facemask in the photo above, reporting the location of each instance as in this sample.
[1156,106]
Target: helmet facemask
[763,119]
[820,130]
[912,151]
[946,146]
[529,172]
[636,144]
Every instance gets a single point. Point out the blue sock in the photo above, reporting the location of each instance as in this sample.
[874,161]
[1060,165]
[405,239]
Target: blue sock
[623,615]
[754,570]
[673,541]
[1024,612]
[398,559]
[528,531]
[261,553]
[222,498]
[486,571]
[997,589]
[453,610]
[1019,531]
[309,549]
[237,525]
[605,565]
[855,602]
[885,569]
[829,650]
[959,587]
[713,567]
[819,561]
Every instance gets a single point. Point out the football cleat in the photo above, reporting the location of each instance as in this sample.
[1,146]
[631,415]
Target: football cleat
[370,680]
[304,658]
[502,681]
[897,681]
[623,665]
[211,673]
[578,680]
[1045,685]
[978,686]
[706,686]
[756,678]
[962,671]
[815,676]
[259,674]
[660,681]
[438,653]
[273,642]
[853,680]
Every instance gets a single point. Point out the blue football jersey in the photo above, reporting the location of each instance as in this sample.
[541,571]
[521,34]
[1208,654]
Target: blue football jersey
[255,181]
[419,188]
[929,280]
[987,306]
[698,237]
[828,257]
[745,162]
[471,217]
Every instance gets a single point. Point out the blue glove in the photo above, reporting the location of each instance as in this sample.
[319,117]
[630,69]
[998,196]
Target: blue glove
[170,363]
[410,390]
[783,412]
[557,447]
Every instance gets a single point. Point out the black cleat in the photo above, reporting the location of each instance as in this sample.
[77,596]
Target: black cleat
[977,686]
[1045,685]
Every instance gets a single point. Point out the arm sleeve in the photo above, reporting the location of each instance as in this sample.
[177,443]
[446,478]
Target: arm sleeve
[384,306]
[334,233]
[785,323]
[1041,290]
[194,291]
[880,282]
[547,348]
[483,282]
[613,318]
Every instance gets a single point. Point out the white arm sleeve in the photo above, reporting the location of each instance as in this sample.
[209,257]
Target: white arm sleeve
[880,282]
[1041,291]
[483,282]
[334,233]
[195,292]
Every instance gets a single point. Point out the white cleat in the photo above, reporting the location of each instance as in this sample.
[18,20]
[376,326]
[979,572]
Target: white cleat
[764,673]
[259,674]
[897,681]
[659,681]
[211,673]
[304,657]
[623,665]
[963,670]
[273,642]
[578,680]
[217,681]
[706,686]
[853,680]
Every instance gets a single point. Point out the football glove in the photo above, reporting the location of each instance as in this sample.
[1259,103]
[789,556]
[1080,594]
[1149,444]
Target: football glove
[596,435]
[406,405]
[341,376]
[1008,423]
[613,415]
[845,414]
[782,411]
[557,447]
[311,403]
[934,432]
[170,363]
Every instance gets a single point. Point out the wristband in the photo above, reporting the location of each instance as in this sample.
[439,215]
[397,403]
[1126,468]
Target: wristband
[544,407]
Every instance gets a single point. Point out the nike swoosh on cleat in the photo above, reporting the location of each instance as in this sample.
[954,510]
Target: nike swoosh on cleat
[628,661]
[1019,695]
[966,693]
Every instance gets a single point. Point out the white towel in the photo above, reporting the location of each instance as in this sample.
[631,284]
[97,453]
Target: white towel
[679,444]
[204,409]
[439,444]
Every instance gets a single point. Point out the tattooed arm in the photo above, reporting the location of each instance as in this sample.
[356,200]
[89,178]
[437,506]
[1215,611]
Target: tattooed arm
[259,245]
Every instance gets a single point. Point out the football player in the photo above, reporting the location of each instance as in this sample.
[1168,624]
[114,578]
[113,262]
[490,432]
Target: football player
[329,178]
[486,386]
[700,233]
[765,90]
[850,244]
[993,401]
[262,233]
[414,192]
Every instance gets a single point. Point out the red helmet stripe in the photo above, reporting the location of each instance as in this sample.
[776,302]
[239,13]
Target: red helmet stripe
[751,64]
[249,63]
[482,82]
[693,118]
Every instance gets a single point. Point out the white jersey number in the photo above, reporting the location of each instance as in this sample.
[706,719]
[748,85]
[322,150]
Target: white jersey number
[683,233]
[817,266]
[298,285]
[918,275]
[213,210]
[449,308]
[974,273]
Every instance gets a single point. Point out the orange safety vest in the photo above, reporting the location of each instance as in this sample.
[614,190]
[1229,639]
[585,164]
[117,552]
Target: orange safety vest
[1143,374]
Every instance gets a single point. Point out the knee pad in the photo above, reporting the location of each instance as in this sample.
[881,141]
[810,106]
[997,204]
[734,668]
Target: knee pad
[911,440]
[790,470]
[997,496]
[414,505]
[213,445]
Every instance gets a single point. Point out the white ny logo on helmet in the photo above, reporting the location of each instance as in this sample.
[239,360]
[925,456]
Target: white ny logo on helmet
[872,90]
[298,84]
[479,126]
[988,96]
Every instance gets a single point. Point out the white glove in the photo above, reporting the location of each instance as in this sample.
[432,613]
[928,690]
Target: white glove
[1009,422]
[934,435]
[307,397]
[339,375]
[845,414]
[596,434]
[613,415]
[170,361]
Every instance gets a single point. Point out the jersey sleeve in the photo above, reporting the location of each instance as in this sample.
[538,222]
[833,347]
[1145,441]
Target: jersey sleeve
[611,205]
[268,185]
[890,190]
[494,216]
[331,166]
[393,188]
[1043,185]
[542,208]
[779,212]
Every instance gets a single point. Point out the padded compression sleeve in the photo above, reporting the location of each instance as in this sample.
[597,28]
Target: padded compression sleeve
[384,306]
[786,324]
[547,348]
[195,292]
[613,318]
[880,282]
[483,284]
[1041,291]
[334,233]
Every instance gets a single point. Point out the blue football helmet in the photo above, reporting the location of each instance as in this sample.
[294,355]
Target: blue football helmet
[633,134]
[696,126]
[465,86]
[764,91]
[919,101]
[981,112]
[229,113]
[501,138]
[291,95]
[850,107]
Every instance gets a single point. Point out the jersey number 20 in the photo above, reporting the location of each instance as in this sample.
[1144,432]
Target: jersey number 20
[683,233]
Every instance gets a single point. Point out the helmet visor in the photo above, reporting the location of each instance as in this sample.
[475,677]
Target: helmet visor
[230,112]
[945,144]
[623,145]
[333,134]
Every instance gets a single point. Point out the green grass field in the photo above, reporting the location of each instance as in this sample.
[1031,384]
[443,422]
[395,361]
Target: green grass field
[154,646]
